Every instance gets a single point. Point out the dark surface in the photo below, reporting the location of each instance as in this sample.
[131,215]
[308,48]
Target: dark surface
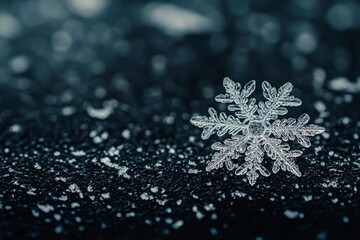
[48,189]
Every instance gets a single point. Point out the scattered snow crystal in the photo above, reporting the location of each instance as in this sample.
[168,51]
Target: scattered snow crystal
[122,170]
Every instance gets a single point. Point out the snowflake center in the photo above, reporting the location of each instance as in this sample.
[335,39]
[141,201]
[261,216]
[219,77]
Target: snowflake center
[256,128]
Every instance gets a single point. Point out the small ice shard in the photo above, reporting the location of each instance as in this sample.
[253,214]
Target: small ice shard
[121,170]
[343,84]
[178,21]
[45,208]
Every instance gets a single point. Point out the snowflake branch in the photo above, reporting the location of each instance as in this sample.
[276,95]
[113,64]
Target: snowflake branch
[254,157]
[277,100]
[217,124]
[243,107]
[282,156]
[289,129]
[227,151]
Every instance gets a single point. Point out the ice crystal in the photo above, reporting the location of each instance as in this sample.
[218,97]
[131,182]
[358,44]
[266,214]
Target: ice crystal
[255,130]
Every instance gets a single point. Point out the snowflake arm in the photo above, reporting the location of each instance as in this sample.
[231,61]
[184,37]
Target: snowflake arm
[289,129]
[277,100]
[227,151]
[282,156]
[243,107]
[254,156]
[219,124]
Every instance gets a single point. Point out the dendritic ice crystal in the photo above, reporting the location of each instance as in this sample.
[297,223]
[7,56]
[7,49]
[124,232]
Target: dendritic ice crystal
[255,130]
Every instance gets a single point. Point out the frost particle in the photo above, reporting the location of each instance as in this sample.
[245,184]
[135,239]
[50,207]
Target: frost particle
[78,153]
[293,214]
[126,134]
[178,224]
[154,189]
[45,208]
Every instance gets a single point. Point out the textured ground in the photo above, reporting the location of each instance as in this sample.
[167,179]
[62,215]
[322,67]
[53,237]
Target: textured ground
[95,138]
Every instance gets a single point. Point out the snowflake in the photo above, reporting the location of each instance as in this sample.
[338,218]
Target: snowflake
[255,130]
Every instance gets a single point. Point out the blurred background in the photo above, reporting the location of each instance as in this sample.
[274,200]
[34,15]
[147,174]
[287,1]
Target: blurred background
[80,79]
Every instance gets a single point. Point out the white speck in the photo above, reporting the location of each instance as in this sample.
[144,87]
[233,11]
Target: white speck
[57,217]
[75,189]
[291,214]
[175,20]
[19,64]
[326,135]
[105,195]
[67,111]
[15,128]
[58,229]
[56,154]
[37,166]
[343,84]
[346,219]
[172,151]
[35,213]
[105,135]
[10,26]
[306,42]
[213,231]
[169,120]
[145,196]
[101,113]
[193,171]
[31,191]
[78,153]
[238,194]
[87,8]
[122,170]
[60,179]
[192,163]
[345,120]
[115,151]
[75,204]
[161,202]
[97,139]
[130,214]
[198,214]
[209,207]
[63,198]
[154,189]
[126,134]
[319,78]
[308,198]
[178,224]
[168,221]
[45,208]
[342,15]
[320,106]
